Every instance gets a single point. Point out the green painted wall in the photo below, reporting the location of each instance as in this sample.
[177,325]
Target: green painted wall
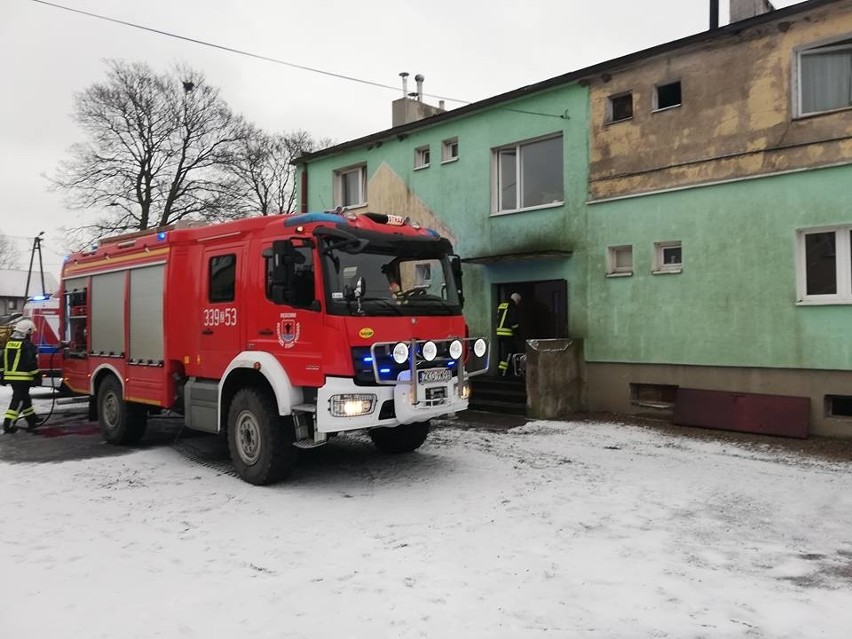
[734,302]
[459,193]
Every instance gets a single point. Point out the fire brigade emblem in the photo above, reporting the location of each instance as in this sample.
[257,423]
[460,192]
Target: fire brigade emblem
[288,330]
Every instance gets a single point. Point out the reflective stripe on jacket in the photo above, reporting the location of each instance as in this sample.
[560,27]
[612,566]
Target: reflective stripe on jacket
[20,361]
[502,329]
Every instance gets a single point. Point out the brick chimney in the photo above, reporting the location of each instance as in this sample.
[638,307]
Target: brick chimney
[745,9]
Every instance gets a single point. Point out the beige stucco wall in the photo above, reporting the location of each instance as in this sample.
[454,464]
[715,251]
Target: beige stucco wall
[737,118]
[608,388]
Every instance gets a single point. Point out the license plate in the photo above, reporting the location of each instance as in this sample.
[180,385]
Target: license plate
[434,375]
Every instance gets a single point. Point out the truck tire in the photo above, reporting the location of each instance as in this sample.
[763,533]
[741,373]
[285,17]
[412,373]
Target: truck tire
[122,424]
[400,439]
[259,439]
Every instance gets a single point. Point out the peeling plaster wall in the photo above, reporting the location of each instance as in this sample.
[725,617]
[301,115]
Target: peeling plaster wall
[737,118]
[454,197]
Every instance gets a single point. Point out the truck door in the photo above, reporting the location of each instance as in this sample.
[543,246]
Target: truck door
[220,318]
[292,327]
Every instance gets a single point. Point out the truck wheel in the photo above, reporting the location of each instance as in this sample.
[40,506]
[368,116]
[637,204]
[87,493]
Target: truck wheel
[260,440]
[121,424]
[400,439]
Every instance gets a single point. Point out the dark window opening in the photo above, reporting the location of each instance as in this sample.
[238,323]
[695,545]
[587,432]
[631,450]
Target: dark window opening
[302,293]
[223,277]
[660,396]
[621,107]
[668,95]
[839,405]
[821,263]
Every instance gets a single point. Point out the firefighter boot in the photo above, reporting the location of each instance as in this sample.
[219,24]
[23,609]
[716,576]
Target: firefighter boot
[8,428]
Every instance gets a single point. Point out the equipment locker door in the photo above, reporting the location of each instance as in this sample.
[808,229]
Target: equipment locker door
[220,320]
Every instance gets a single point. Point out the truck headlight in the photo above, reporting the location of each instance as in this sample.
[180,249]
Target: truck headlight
[456,349]
[479,347]
[352,405]
[430,351]
[400,353]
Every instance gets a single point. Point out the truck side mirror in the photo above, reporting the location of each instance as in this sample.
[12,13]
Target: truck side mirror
[456,268]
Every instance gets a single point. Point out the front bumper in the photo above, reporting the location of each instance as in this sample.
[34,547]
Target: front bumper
[394,405]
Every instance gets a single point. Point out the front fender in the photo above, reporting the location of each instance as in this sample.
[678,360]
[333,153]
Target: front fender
[286,395]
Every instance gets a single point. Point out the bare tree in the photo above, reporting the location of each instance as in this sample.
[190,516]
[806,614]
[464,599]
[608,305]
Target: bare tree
[156,151]
[10,256]
[262,169]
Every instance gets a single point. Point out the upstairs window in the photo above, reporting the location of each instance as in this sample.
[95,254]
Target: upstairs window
[421,157]
[528,174]
[619,107]
[450,150]
[668,257]
[667,96]
[825,78]
[824,265]
[350,186]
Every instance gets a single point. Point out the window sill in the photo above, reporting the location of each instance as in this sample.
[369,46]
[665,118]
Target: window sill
[667,271]
[668,108]
[421,167]
[450,161]
[816,114]
[540,207]
[611,122]
[620,274]
[831,302]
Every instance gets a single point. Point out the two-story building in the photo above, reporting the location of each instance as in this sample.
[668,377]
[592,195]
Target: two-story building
[683,210]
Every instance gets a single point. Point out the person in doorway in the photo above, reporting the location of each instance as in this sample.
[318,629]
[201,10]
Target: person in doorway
[20,370]
[508,330]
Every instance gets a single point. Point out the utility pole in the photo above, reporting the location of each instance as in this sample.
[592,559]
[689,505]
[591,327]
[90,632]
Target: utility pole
[36,249]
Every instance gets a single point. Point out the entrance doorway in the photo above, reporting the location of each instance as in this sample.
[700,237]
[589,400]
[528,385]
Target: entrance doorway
[543,309]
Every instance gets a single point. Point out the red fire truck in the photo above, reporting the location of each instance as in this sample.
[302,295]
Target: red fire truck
[278,332]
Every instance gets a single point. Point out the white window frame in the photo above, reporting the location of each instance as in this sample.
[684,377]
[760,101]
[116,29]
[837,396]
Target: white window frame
[422,157]
[447,154]
[660,266]
[496,200]
[612,268]
[609,109]
[843,264]
[339,176]
[840,44]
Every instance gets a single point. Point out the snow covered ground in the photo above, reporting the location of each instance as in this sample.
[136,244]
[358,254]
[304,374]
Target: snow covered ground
[554,529]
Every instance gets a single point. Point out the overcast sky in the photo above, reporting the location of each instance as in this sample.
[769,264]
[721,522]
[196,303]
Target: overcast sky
[467,49]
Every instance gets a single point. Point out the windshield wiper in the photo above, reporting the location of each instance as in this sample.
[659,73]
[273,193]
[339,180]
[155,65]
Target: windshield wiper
[385,302]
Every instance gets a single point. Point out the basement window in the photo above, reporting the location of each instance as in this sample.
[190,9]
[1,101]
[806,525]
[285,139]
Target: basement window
[838,406]
[619,107]
[422,157]
[659,396]
[667,96]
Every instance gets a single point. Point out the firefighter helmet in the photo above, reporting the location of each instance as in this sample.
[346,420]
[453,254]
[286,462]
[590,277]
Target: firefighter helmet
[25,327]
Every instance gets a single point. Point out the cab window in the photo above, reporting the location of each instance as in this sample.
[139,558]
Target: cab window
[222,277]
[302,293]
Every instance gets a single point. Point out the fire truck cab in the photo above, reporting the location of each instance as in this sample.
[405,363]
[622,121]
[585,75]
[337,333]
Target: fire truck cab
[277,332]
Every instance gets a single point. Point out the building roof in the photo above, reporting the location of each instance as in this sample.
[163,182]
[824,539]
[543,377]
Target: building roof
[13,283]
[730,30]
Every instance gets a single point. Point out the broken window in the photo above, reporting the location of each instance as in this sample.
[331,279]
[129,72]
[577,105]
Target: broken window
[620,107]
[668,96]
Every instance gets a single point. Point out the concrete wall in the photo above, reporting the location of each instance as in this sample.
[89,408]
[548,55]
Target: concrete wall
[609,388]
[738,114]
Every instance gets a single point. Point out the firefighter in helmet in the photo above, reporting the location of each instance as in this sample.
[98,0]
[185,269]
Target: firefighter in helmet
[20,370]
[508,330]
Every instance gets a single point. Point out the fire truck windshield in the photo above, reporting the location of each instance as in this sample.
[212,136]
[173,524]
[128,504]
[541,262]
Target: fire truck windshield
[393,283]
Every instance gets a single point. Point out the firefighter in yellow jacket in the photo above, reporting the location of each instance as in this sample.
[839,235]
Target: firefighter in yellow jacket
[508,330]
[20,371]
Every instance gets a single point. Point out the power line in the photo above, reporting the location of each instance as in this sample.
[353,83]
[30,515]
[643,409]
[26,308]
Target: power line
[258,56]
[237,51]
